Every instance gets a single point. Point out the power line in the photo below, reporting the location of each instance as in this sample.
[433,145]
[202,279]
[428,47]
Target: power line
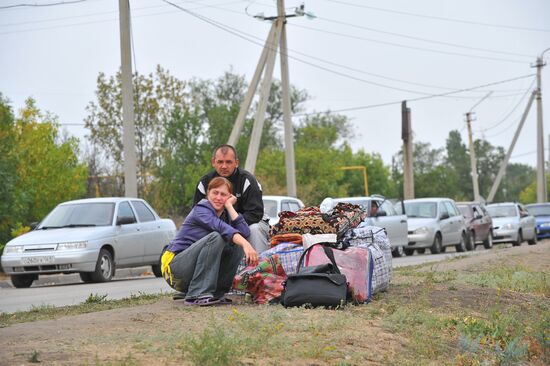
[248,37]
[41,5]
[422,39]
[442,18]
[409,47]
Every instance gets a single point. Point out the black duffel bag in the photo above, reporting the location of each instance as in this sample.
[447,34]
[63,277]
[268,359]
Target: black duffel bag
[321,285]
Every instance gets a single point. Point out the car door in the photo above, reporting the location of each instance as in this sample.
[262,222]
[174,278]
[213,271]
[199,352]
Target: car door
[128,244]
[445,224]
[482,222]
[153,239]
[395,225]
[527,222]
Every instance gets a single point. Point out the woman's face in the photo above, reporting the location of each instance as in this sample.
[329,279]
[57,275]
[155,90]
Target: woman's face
[218,196]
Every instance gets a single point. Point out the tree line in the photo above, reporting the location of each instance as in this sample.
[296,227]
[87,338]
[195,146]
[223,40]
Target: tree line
[179,123]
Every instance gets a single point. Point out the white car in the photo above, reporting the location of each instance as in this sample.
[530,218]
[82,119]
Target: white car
[275,204]
[434,223]
[512,223]
[91,237]
[385,216]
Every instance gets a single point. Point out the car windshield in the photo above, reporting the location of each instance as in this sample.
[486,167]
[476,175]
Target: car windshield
[270,208]
[426,210]
[79,215]
[464,210]
[502,211]
[540,210]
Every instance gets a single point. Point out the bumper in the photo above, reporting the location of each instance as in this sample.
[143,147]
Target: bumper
[420,240]
[50,262]
[543,232]
[505,236]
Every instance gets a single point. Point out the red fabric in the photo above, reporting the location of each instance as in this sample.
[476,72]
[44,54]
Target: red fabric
[263,281]
[286,238]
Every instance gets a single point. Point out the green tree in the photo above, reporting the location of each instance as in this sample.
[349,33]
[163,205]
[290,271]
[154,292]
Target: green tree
[458,160]
[8,172]
[48,171]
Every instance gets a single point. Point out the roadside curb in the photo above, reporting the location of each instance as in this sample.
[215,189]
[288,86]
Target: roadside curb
[57,279]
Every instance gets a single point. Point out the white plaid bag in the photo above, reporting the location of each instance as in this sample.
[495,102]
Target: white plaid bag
[288,253]
[375,239]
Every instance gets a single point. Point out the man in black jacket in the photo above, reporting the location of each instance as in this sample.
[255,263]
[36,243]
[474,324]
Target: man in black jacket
[247,190]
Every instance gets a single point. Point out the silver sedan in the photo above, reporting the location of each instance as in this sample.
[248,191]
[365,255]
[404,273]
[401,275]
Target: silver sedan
[91,237]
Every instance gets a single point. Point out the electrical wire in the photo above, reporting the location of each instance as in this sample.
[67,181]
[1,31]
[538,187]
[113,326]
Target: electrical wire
[442,18]
[248,37]
[41,5]
[420,38]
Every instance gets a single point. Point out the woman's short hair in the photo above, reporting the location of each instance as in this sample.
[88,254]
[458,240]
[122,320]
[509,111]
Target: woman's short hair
[218,182]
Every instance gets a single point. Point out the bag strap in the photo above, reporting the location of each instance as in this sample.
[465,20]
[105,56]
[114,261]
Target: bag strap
[328,253]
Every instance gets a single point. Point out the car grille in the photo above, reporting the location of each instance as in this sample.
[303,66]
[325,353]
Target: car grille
[40,248]
[45,267]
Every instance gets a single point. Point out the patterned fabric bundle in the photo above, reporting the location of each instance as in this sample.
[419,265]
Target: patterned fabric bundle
[263,281]
[310,220]
[376,241]
[289,255]
[286,238]
[355,263]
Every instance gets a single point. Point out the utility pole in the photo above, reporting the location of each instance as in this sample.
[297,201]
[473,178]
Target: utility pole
[504,163]
[541,175]
[276,38]
[473,164]
[128,129]
[406,136]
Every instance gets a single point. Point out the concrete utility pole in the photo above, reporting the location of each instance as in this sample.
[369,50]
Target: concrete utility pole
[275,39]
[473,163]
[128,130]
[541,174]
[406,136]
[504,163]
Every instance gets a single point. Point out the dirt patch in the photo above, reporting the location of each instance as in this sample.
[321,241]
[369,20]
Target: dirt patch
[386,331]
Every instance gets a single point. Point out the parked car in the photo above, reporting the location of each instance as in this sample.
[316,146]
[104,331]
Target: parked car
[478,223]
[91,237]
[434,223]
[512,223]
[275,204]
[541,211]
[381,213]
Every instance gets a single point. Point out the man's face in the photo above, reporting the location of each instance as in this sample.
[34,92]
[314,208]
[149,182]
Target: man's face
[225,164]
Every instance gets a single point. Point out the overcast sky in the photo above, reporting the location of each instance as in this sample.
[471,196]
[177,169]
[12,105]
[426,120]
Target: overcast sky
[354,54]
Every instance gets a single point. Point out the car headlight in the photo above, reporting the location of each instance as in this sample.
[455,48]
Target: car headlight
[508,226]
[545,224]
[72,245]
[421,230]
[14,249]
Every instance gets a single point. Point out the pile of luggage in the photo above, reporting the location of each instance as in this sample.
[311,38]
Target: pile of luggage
[319,257]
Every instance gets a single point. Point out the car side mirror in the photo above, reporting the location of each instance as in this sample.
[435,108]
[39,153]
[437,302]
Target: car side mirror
[124,220]
[33,225]
[478,216]
[381,213]
[444,216]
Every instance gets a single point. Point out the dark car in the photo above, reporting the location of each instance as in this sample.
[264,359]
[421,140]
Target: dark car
[541,211]
[479,224]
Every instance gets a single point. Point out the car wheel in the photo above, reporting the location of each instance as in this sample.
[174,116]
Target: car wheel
[488,243]
[156,268]
[86,277]
[421,250]
[533,241]
[409,251]
[471,241]
[23,281]
[398,252]
[436,246]
[517,243]
[461,246]
[104,268]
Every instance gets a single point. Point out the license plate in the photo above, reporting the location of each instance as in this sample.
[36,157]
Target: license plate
[38,260]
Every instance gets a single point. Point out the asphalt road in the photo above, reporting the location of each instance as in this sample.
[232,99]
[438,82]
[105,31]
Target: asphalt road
[61,290]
